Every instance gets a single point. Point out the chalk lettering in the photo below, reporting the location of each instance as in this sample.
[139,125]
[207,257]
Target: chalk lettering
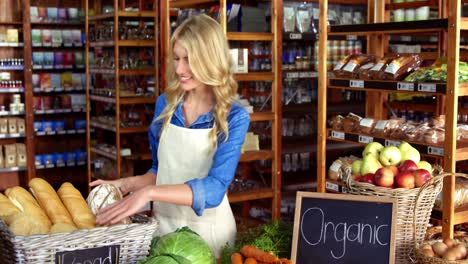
[342,232]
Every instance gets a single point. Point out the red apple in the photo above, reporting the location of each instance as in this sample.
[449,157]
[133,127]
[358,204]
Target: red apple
[421,176]
[357,177]
[369,178]
[384,177]
[394,169]
[405,180]
[408,166]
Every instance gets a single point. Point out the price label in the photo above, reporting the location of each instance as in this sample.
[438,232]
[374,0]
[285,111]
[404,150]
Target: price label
[389,142]
[332,186]
[307,74]
[351,37]
[365,139]
[295,36]
[405,86]
[291,75]
[427,87]
[356,83]
[338,135]
[435,151]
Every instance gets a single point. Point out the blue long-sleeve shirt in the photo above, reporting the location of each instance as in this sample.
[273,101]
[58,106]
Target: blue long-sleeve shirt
[208,192]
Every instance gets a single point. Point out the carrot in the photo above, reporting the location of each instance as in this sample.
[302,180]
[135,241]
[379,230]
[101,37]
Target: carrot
[236,258]
[285,261]
[250,251]
[250,261]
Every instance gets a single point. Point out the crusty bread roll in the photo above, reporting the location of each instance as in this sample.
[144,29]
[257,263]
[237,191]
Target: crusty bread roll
[77,206]
[62,228]
[27,204]
[50,201]
[7,209]
[23,224]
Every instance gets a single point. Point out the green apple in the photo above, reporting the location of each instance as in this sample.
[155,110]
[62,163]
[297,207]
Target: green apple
[356,167]
[425,165]
[411,154]
[404,146]
[370,164]
[390,155]
[372,148]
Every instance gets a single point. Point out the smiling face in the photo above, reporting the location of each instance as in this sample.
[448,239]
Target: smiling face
[182,69]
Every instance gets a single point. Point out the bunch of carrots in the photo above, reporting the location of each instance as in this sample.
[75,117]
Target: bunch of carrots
[252,255]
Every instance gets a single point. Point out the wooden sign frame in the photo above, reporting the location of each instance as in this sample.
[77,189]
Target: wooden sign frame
[344,197]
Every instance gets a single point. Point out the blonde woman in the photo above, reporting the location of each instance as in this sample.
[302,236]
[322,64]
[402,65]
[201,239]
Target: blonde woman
[196,138]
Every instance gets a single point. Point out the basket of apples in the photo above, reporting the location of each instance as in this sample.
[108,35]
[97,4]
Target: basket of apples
[398,173]
[438,251]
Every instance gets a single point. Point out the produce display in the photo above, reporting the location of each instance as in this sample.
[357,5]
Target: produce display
[182,246]
[391,166]
[447,249]
[268,242]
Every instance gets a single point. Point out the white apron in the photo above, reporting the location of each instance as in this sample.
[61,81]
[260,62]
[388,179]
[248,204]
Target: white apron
[184,154]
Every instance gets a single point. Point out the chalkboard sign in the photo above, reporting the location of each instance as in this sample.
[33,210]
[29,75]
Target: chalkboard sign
[98,255]
[341,228]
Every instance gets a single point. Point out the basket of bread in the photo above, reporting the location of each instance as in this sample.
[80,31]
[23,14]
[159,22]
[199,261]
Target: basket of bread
[39,224]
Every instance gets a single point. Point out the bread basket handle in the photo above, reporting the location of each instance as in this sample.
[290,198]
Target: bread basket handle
[431,182]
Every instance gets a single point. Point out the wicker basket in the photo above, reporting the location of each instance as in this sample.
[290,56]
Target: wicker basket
[405,234]
[134,240]
[423,259]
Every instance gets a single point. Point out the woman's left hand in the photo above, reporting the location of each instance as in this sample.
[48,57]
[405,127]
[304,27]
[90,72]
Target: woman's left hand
[128,206]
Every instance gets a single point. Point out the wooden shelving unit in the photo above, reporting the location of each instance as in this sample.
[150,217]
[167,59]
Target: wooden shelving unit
[272,192]
[102,80]
[377,31]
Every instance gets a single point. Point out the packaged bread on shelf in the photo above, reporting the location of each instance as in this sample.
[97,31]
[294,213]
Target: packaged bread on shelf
[7,209]
[417,132]
[336,123]
[366,125]
[364,71]
[351,69]
[351,122]
[401,66]
[376,72]
[434,135]
[76,206]
[337,70]
[438,121]
[50,201]
[34,217]
[335,172]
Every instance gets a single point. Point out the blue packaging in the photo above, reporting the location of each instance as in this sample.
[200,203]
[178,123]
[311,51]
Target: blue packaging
[48,126]
[38,160]
[80,124]
[70,158]
[49,159]
[59,125]
[60,158]
[38,126]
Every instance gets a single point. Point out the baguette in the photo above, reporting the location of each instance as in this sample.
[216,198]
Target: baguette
[77,206]
[50,201]
[34,218]
[7,209]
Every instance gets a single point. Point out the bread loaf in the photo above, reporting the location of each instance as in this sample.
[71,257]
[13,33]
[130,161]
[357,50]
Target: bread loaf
[7,209]
[50,201]
[62,228]
[23,224]
[77,206]
[38,221]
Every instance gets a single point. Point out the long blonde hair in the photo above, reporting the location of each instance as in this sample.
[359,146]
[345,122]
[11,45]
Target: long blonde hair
[210,63]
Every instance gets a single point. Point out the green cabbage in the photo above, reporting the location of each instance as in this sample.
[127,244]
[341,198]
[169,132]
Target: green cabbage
[180,247]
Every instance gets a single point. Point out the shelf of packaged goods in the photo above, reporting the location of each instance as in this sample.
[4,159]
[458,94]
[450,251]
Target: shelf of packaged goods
[38,68]
[123,130]
[190,3]
[254,76]
[123,43]
[11,113]
[389,86]
[58,48]
[59,111]
[256,155]
[63,132]
[103,153]
[12,135]
[262,116]
[125,14]
[123,100]
[123,72]
[256,194]
[11,44]
[335,186]
[414,4]
[58,24]
[58,90]
[436,151]
[12,68]
[250,36]
[62,165]
[460,214]
[428,107]
[407,27]
[13,169]
[297,74]
[464,23]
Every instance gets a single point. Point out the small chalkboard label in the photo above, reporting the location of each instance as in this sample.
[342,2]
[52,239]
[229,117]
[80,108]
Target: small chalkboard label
[343,228]
[101,255]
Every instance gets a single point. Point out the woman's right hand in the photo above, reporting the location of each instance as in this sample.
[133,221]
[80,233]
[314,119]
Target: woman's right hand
[123,184]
